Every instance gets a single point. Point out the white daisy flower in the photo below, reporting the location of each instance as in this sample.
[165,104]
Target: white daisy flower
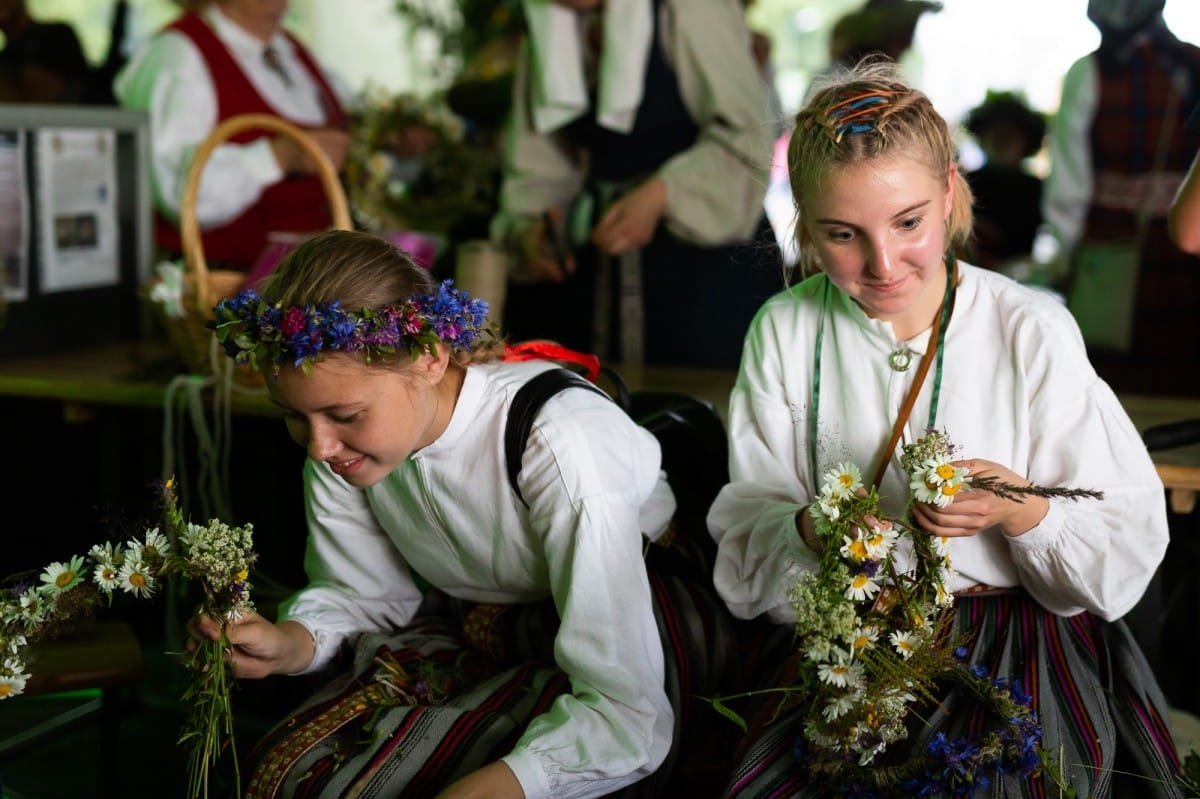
[33,606]
[943,597]
[102,553]
[867,757]
[829,508]
[63,576]
[861,587]
[834,673]
[12,685]
[903,643]
[841,674]
[156,543]
[106,576]
[843,480]
[922,489]
[136,579]
[838,707]
[854,549]
[14,645]
[132,552]
[941,546]
[864,638]
[946,494]
[880,540]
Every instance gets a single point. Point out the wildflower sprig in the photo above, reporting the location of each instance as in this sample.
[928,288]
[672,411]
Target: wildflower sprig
[264,335]
[873,643]
[216,557]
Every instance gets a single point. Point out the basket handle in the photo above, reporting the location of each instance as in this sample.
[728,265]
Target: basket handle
[189,225]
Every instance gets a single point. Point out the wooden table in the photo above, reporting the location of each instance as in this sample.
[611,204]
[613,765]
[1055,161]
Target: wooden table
[1179,467]
[132,374]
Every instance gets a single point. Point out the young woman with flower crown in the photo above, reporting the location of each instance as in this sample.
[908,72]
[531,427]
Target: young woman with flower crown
[394,387]
[1027,652]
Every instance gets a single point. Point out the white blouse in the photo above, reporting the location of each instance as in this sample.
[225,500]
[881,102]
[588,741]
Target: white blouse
[593,482]
[1017,389]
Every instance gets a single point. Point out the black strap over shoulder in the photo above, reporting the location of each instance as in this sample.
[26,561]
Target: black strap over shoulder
[525,406]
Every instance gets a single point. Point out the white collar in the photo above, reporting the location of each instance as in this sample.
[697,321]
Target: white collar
[559,93]
[238,38]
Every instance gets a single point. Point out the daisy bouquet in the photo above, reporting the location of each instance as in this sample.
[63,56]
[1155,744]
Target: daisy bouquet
[215,557]
[873,642]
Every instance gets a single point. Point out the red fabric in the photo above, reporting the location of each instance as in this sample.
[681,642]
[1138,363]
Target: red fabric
[545,350]
[296,204]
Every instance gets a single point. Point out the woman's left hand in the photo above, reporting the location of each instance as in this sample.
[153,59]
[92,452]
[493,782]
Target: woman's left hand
[630,222]
[976,509]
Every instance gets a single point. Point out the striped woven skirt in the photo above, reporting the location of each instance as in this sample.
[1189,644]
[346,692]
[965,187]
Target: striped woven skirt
[1102,714]
[428,705]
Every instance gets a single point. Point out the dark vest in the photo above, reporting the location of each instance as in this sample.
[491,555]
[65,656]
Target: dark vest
[662,126]
[295,204]
[1131,109]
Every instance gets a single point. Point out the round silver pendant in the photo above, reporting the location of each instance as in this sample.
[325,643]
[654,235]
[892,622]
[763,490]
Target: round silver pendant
[900,359]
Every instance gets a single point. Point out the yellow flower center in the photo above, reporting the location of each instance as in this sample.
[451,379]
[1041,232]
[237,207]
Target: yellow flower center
[64,579]
[860,580]
[858,550]
[945,471]
[242,575]
[5,689]
[861,642]
[950,489]
[137,580]
[846,480]
[931,484]
[107,575]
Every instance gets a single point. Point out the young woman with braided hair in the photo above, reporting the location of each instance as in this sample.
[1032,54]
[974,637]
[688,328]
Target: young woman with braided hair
[1040,583]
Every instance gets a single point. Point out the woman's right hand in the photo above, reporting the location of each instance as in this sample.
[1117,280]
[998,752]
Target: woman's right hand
[541,260]
[257,647]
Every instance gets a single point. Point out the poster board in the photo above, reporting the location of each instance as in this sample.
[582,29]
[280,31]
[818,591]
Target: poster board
[76,226]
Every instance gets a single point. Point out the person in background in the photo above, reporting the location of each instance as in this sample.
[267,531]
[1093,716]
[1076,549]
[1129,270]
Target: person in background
[1123,106]
[1183,218]
[636,168]
[880,27]
[1007,195]
[41,62]
[1041,583]
[510,643]
[227,58]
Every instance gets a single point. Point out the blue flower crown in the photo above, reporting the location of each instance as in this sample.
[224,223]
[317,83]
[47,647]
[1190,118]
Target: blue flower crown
[253,331]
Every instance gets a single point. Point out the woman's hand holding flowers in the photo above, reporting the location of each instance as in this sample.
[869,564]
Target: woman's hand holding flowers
[970,512]
[256,647]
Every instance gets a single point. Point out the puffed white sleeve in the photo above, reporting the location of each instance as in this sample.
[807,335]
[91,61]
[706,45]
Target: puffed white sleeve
[540,172]
[586,472]
[168,79]
[760,553]
[1091,554]
[716,187]
[358,582]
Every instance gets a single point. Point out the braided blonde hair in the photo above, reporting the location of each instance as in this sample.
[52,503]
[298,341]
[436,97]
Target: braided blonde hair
[859,115]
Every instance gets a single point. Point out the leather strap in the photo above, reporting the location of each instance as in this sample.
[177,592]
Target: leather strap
[528,401]
[911,399]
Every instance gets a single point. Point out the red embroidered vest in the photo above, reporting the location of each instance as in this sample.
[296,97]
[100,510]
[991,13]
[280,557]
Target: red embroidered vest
[296,203]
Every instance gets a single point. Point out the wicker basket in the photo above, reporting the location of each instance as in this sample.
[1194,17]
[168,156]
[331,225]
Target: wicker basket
[203,287]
